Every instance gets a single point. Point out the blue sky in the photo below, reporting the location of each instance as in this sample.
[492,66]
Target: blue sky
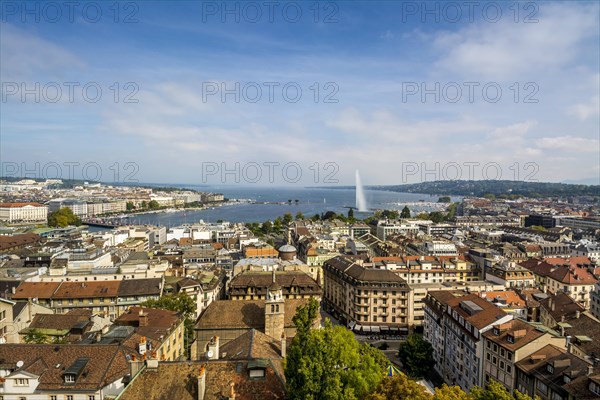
[369,61]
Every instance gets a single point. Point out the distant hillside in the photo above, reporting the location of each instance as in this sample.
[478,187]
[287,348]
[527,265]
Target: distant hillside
[507,189]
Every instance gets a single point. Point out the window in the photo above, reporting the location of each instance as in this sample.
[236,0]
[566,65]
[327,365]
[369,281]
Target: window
[541,386]
[69,397]
[53,397]
[22,382]
[595,388]
[550,368]
[69,378]
[91,397]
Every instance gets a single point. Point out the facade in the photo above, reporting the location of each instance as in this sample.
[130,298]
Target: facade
[48,371]
[454,325]
[365,298]
[508,343]
[254,285]
[23,212]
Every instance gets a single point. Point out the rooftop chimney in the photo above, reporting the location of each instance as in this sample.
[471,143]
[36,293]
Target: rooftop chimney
[213,349]
[135,366]
[232,392]
[202,383]
[577,314]
[143,320]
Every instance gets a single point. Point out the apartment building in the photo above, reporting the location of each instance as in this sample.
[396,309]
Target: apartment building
[455,324]
[510,342]
[366,298]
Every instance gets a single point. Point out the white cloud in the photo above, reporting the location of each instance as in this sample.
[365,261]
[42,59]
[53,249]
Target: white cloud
[585,110]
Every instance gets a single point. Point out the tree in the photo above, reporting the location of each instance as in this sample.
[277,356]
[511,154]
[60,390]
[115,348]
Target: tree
[153,205]
[399,387]
[266,227]
[287,218]
[37,337]
[496,391]
[416,355]
[328,363]
[296,201]
[183,304]
[316,217]
[405,212]
[450,393]
[351,213]
[290,202]
[63,217]
[389,214]
[444,199]
[329,215]
[130,206]
[277,224]
[299,216]
[143,204]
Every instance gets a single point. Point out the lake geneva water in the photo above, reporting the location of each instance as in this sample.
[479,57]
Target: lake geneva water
[311,201]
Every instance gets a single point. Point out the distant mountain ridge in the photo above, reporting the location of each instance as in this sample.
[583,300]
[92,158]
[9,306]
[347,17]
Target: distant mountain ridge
[497,188]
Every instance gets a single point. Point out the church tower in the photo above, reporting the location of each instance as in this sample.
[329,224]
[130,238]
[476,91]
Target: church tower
[274,311]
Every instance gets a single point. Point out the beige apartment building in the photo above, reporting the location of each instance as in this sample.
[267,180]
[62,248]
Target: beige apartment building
[367,299]
[23,212]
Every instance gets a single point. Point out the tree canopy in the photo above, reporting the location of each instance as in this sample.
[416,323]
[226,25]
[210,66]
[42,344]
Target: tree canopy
[328,363]
[416,355]
[63,217]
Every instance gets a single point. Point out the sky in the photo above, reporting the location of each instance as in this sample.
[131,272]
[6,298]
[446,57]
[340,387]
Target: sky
[300,93]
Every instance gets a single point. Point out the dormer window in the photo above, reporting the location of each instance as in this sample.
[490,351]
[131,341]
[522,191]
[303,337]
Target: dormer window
[510,339]
[69,378]
[21,382]
[550,369]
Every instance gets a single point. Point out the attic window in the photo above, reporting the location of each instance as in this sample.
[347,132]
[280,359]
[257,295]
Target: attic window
[550,369]
[70,378]
[510,339]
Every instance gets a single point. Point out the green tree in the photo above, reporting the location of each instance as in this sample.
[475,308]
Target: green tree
[450,393]
[399,387]
[266,227]
[143,204]
[299,216]
[153,205]
[63,217]
[37,337]
[416,355]
[405,212]
[277,224]
[287,218]
[444,199]
[316,217]
[389,214]
[130,206]
[351,213]
[183,304]
[328,363]
[290,201]
[496,391]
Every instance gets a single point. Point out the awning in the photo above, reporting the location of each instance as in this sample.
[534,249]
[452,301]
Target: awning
[393,328]
[366,329]
[384,328]
[351,325]
[375,329]
[403,329]
[357,328]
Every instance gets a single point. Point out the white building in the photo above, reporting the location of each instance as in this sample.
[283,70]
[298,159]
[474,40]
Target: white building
[23,212]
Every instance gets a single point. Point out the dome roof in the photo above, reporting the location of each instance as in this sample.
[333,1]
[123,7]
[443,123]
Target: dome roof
[287,248]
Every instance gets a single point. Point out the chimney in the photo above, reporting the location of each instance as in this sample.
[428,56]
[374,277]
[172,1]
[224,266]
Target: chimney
[283,345]
[568,343]
[98,336]
[213,348]
[232,392]
[143,320]
[152,364]
[590,370]
[134,366]
[577,314]
[202,383]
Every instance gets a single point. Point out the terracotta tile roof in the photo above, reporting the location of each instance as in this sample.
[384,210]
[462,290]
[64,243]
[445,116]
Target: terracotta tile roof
[40,290]
[106,364]
[489,312]
[572,261]
[522,332]
[540,357]
[561,305]
[179,381]
[140,287]
[9,242]
[572,276]
[242,314]
[291,282]
[83,290]
[580,388]
[19,205]
[583,328]
[160,322]
[252,344]
[60,321]
[510,297]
